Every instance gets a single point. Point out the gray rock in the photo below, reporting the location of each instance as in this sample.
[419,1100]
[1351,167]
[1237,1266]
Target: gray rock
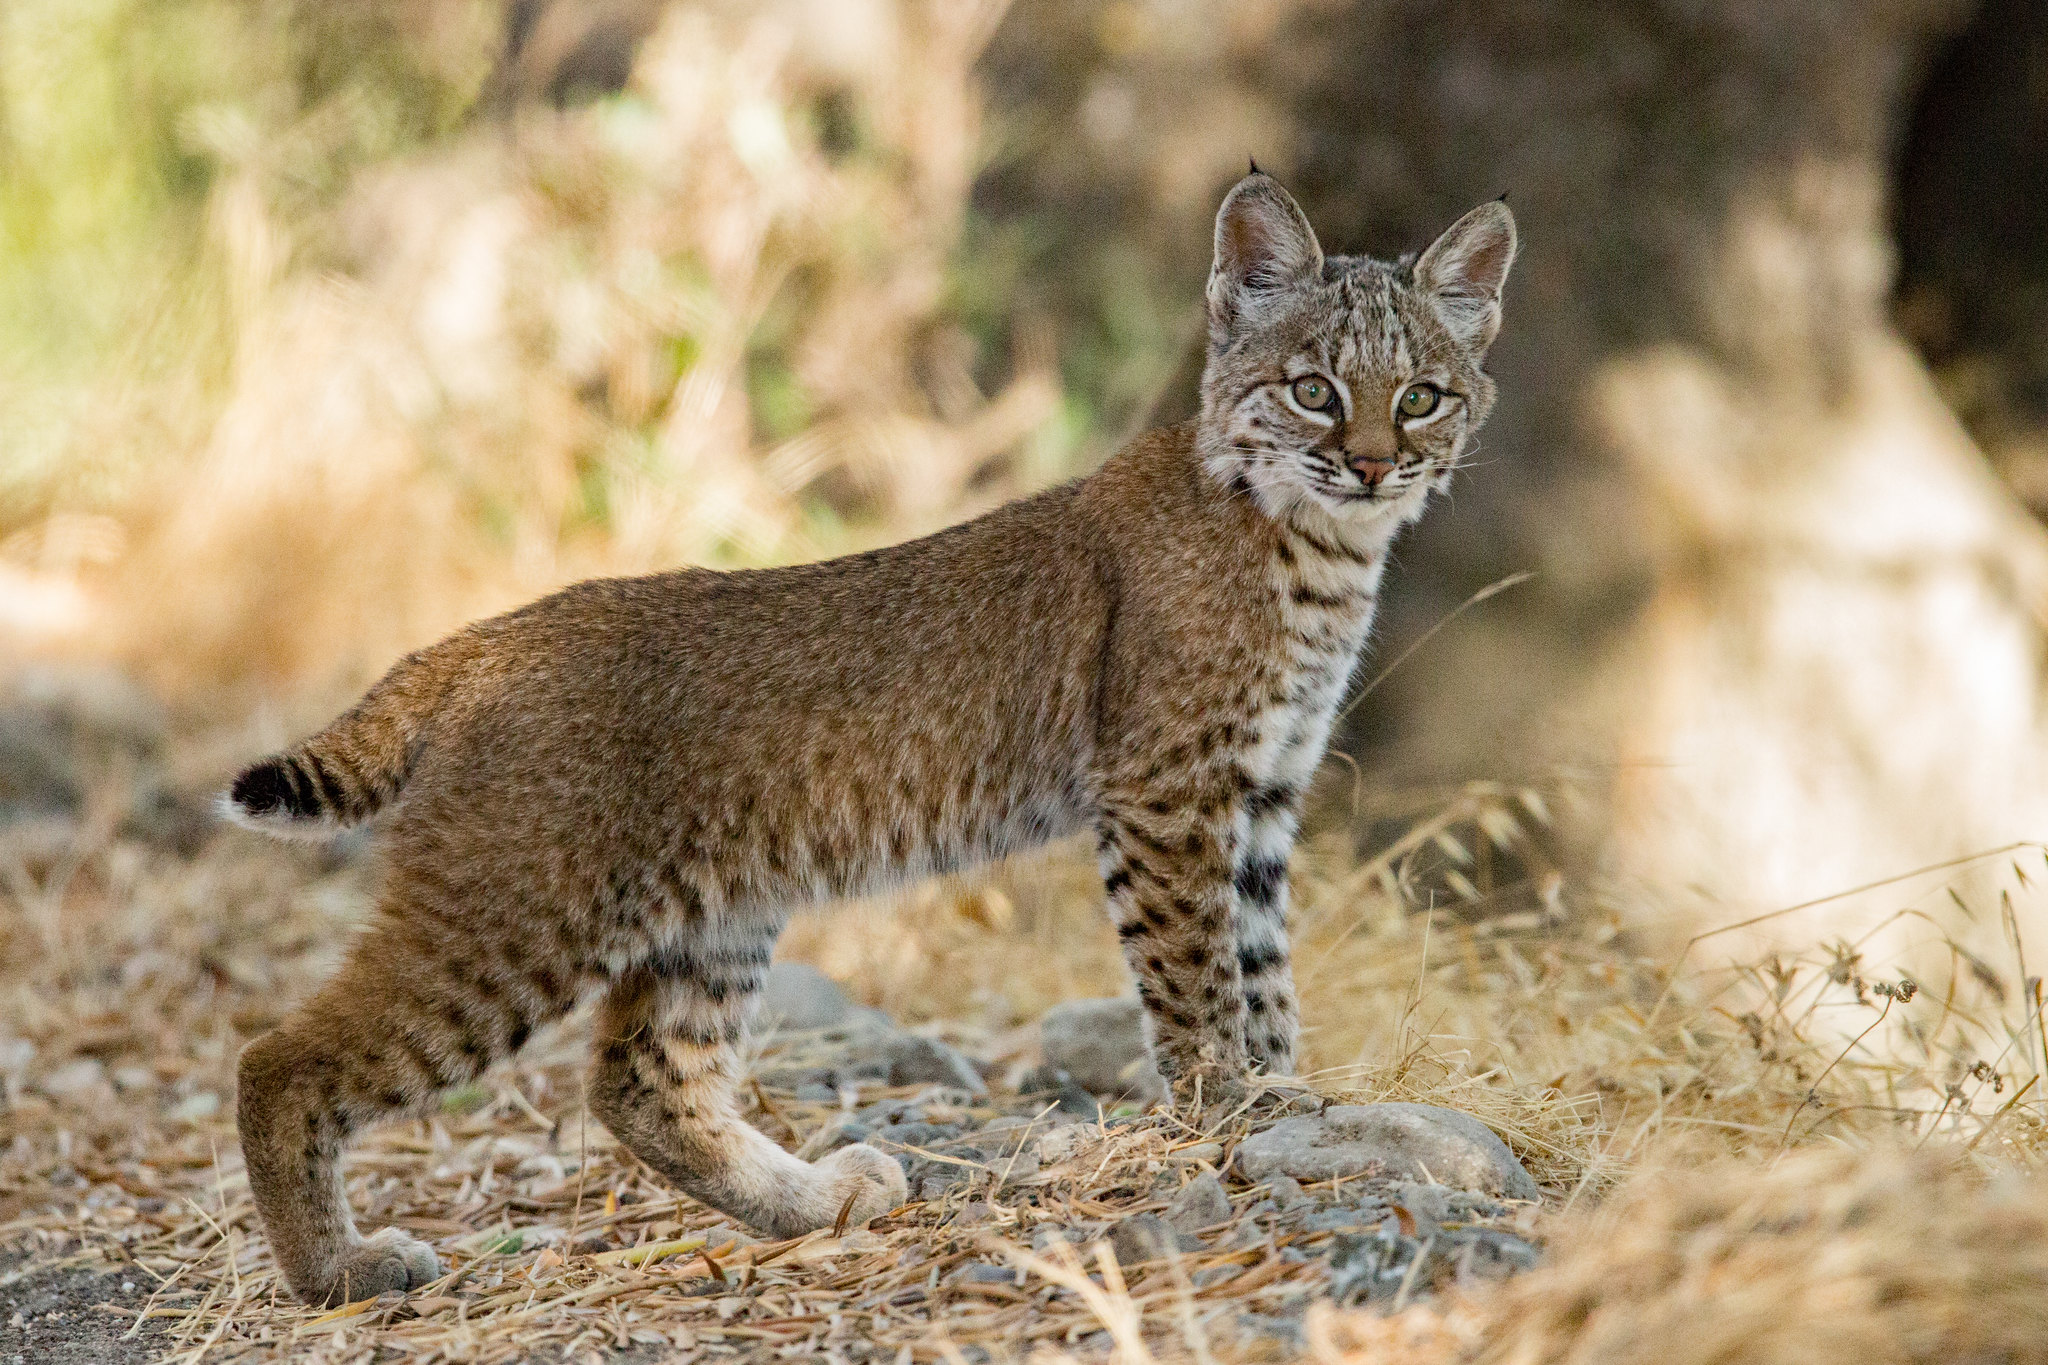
[799,997]
[1060,1143]
[798,1077]
[1262,1327]
[67,731]
[1200,1204]
[936,1179]
[975,1211]
[926,1135]
[865,1024]
[886,1112]
[1101,1045]
[1348,1217]
[1075,1101]
[1004,1137]
[1014,1169]
[981,1272]
[1496,1253]
[1249,1231]
[842,1134]
[1017,1126]
[1286,1191]
[1428,1205]
[915,1060]
[1374,1265]
[1395,1140]
[1046,1236]
[1146,1237]
[37,777]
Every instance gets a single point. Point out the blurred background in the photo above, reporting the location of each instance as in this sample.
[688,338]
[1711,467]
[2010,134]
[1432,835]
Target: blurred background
[326,328]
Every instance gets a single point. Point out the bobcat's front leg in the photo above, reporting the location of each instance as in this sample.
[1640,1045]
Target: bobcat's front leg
[1167,861]
[1271,1024]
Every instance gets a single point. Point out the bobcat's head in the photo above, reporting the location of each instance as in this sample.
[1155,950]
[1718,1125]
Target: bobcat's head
[1343,384]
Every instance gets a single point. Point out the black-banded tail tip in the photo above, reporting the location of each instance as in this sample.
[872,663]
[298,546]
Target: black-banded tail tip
[267,790]
[272,797]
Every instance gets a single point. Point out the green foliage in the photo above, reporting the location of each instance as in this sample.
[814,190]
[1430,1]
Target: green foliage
[1126,321]
[465,1099]
[120,122]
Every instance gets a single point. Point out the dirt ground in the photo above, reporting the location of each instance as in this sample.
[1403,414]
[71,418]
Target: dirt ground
[74,1315]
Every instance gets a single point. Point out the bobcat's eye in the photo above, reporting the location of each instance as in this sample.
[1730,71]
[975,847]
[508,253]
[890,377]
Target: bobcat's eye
[1420,400]
[1314,392]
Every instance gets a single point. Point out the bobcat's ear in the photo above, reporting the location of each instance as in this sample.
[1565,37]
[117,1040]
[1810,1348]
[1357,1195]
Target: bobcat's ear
[1465,269]
[1264,246]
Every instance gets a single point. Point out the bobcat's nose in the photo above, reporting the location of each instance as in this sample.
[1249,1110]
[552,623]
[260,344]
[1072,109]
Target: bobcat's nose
[1370,469]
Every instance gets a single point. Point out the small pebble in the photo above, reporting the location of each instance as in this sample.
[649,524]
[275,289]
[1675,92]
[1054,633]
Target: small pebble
[1427,1204]
[1202,1203]
[1146,1237]
[796,996]
[1059,1144]
[1046,1236]
[977,1211]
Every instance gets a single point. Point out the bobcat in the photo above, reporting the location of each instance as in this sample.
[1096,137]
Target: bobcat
[632,783]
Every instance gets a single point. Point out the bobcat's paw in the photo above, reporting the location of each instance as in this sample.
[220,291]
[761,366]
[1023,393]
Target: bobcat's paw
[872,1179]
[386,1260]
[1208,1087]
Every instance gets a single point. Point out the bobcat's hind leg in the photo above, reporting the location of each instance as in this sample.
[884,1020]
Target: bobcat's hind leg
[418,1008]
[666,1066]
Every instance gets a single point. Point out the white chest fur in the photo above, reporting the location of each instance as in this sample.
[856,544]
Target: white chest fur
[1327,590]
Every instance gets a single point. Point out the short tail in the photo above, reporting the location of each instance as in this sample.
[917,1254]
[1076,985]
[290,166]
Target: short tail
[358,764]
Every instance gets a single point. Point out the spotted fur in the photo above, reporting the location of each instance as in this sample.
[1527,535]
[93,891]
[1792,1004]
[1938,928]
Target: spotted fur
[626,788]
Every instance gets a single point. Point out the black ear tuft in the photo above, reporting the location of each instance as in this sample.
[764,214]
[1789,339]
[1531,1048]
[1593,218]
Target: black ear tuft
[1255,166]
[1501,198]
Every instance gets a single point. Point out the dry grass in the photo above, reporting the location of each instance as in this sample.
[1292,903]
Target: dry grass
[1885,1258]
[132,976]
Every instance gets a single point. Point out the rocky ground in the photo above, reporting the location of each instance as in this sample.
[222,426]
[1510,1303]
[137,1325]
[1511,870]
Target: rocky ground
[1020,1195]
[1383,1202]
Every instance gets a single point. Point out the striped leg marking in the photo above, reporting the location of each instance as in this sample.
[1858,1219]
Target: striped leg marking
[1259,919]
[1168,883]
